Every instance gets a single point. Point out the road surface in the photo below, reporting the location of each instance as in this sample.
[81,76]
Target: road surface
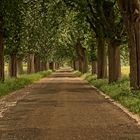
[64,107]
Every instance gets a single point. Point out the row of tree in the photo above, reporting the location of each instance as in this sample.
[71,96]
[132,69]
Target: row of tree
[27,34]
[114,24]
[97,31]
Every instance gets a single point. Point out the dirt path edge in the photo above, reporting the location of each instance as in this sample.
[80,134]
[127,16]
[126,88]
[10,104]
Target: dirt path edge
[11,100]
[130,114]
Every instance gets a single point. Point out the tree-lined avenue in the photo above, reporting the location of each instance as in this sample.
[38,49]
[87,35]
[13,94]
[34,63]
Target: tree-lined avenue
[64,107]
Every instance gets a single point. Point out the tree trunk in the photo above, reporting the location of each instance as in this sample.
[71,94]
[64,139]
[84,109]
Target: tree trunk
[94,67]
[85,62]
[30,64]
[131,15]
[56,66]
[47,66]
[43,66]
[114,62]
[82,58]
[12,66]
[19,66]
[74,64]
[101,59]
[36,64]
[1,51]
[80,65]
[1,58]
[51,66]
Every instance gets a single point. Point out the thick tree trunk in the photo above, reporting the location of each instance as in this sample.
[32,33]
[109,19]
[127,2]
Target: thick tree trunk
[93,58]
[80,65]
[43,66]
[47,66]
[82,58]
[56,66]
[85,63]
[101,59]
[51,66]
[134,50]
[114,62]
[19,66]
[12,66]
[94,67]
[1,58]
[36,64]
[30,64]
[131,15]
[74,64]
[1,51]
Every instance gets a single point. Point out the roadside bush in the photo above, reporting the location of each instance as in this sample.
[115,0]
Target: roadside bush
[119,91]
[22,81]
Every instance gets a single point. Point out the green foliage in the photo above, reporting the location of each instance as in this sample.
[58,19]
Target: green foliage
[118,91]
[11,85]
[77,73]
[125,55]
[50,29]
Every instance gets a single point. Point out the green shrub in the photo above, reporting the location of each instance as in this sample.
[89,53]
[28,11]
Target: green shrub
[11,85]
[118,91]
[77,73]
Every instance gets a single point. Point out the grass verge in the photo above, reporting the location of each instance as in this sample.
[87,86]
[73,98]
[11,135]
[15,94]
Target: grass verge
[118,91]
[11,85]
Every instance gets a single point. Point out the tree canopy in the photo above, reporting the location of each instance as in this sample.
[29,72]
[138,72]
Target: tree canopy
[82,33]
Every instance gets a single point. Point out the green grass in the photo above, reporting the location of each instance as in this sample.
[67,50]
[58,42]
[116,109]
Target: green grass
[77,73]
[11,85]
[119,91]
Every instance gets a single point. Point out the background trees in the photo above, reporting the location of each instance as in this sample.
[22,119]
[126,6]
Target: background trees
[130,12]
[79,32]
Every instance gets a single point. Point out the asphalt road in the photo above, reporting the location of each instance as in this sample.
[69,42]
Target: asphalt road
[64,107]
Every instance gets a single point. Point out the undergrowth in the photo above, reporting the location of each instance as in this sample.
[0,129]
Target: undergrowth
[118,91]
[22,81]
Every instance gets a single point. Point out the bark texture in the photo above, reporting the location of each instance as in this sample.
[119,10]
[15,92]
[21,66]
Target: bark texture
[47,66]
[56,66]
[36,64]
[94,67]
[114,62]
[131,15]
[82,58]
[74,64]
[30,64]
[1,58]
[42,66]
[19,66]
[52,66]
[12,66]
[101,58]
[1,51]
